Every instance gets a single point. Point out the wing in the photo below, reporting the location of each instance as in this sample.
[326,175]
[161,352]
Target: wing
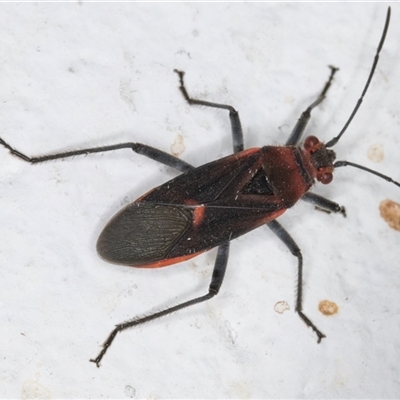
[153,235]
[192,213]
[221,178]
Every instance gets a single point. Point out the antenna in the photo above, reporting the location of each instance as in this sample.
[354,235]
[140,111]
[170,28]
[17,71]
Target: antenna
[333,141]
[338,164]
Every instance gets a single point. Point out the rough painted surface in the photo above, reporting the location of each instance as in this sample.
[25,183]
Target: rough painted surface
[81,74]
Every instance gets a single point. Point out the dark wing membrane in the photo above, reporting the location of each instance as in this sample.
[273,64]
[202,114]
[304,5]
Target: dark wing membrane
[143,232]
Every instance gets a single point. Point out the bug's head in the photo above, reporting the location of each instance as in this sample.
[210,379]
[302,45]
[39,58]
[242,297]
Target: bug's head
[322,159]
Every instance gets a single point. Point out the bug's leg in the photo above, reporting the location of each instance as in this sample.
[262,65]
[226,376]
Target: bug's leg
[301,124]
[216,282]
[323,204]
[147,151]
[236,126]
[282,234]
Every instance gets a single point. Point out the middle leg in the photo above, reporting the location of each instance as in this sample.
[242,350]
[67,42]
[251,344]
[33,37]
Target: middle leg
[236,126]
[282,234]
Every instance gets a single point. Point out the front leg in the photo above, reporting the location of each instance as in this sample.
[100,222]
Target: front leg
[323,204]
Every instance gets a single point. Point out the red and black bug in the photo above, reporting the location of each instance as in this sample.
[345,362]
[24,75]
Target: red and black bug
[211,205]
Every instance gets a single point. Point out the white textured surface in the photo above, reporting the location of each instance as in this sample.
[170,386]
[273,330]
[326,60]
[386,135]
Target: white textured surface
[77,75]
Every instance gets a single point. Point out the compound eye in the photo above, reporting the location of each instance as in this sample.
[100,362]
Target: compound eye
[310,142]
[325,177]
